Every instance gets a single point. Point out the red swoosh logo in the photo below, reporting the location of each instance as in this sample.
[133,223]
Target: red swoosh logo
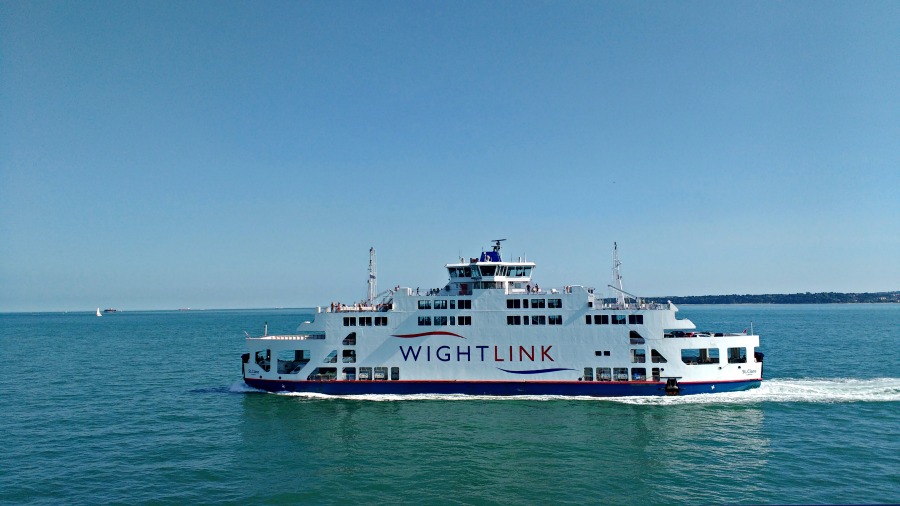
[434,333]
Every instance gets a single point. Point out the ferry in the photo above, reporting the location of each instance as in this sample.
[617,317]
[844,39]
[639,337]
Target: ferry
[491,330]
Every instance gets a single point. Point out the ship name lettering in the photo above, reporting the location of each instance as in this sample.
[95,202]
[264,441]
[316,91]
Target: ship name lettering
[445,353]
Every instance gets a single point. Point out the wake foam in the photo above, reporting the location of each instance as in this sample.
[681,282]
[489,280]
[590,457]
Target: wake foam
[812,390]
[239,387]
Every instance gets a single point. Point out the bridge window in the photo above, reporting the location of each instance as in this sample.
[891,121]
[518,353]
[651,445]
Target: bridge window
[488,270]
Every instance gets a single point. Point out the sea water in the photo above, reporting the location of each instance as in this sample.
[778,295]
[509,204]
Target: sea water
[138,407]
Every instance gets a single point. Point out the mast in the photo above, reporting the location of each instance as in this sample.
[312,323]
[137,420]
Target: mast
[617,277]
[370,297]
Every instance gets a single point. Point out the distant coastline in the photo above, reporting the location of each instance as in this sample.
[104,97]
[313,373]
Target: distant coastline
[786,298]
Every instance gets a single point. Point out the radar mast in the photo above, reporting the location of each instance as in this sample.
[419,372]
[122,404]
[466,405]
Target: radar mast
[370,297]
[617,277]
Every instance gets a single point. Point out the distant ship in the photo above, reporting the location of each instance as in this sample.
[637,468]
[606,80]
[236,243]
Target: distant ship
[110,310]
[493,331]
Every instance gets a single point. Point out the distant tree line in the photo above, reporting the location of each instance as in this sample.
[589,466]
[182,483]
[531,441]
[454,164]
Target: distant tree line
[788,298]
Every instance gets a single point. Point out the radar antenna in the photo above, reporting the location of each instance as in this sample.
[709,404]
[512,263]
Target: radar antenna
[370,297]
[497,244]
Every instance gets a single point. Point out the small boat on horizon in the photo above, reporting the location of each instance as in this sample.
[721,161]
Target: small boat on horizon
[98,312]
[110,310]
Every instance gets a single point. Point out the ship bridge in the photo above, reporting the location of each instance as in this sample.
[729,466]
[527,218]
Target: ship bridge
[489,271]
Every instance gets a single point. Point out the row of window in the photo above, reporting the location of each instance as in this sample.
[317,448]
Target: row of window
[475,271]
[425,321]
[615,319]
[533,303]
[697,356]
[366,321]
[445,304]
[619,374]
[638,356]
[553,319]
[349,374]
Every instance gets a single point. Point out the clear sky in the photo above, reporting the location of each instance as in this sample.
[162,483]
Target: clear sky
[219,154]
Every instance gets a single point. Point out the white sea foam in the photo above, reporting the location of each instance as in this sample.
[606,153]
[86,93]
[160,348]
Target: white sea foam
[816,390]
[239,387]
[813,390]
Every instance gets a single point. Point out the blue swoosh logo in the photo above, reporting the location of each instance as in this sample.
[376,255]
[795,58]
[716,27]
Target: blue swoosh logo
[537,371]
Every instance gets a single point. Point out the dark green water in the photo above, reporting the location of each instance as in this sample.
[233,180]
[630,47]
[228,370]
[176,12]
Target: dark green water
[148,407]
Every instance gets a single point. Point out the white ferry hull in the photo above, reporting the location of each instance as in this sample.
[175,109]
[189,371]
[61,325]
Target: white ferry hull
[498,335]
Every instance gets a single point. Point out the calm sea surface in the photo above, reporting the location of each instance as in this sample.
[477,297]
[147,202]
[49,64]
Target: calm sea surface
[140,407]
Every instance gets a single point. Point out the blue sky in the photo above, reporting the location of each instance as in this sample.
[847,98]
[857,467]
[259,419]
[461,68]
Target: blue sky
[248,154]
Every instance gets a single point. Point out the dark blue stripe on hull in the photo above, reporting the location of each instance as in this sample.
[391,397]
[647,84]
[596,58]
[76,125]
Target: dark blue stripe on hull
[581,388]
